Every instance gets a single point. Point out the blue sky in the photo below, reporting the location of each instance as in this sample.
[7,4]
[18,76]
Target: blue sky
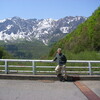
[47,8]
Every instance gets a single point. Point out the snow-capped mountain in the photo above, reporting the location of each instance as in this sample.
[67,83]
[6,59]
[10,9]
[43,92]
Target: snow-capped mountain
[45,30]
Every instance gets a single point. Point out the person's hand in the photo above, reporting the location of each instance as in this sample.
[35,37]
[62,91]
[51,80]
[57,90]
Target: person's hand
[53,61]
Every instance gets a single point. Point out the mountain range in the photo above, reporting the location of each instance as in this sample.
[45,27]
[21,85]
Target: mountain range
[45,30]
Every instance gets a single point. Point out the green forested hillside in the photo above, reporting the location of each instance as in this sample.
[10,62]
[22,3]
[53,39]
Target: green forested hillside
[85,38]
[4,54]
[26,49]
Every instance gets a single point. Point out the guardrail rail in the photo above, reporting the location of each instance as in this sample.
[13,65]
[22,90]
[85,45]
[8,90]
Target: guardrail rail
[33,66]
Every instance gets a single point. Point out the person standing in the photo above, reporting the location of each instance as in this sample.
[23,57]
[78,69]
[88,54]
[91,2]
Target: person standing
[61,61]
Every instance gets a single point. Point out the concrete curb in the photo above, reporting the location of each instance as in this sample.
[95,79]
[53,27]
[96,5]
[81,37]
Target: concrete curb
[48,77]
[28,77]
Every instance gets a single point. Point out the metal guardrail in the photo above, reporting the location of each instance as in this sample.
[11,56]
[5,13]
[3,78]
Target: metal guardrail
[89,62]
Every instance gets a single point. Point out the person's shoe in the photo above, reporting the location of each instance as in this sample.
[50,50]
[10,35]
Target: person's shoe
[59,75]
[63,79]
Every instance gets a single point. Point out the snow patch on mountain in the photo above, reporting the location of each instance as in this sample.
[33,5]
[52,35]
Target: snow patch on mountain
[65,29]
[1,21]
[9,26]
[46,23]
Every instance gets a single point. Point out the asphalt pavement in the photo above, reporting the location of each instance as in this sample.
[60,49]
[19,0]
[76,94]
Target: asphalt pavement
[44,90]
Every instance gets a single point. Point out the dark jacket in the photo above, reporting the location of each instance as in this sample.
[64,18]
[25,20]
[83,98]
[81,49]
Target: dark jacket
[60,59]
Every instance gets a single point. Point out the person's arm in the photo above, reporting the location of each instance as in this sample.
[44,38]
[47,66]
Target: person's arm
[64,59]
[55,58]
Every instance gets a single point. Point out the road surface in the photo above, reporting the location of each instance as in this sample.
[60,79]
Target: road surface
[44,90]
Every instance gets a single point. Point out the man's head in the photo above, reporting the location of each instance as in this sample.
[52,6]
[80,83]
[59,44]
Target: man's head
[59,50]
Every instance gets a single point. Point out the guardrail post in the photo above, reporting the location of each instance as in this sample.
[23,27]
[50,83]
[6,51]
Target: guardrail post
[33,65]
[90,71]
[6,67]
